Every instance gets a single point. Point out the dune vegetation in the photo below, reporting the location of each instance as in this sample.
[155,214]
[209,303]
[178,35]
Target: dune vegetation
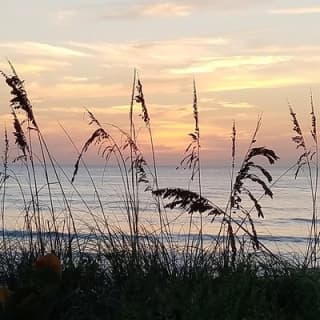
[54,270]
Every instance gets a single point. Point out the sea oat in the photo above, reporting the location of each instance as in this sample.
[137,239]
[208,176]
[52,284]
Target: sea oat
[20,99]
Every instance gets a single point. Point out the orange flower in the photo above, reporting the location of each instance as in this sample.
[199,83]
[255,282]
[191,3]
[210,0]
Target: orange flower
[5,294]
[49,262]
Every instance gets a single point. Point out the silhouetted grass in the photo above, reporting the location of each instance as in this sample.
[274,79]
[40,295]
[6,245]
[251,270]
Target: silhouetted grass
[113,285]
[53,271]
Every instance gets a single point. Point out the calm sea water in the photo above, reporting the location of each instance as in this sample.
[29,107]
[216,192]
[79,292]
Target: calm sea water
[285,226]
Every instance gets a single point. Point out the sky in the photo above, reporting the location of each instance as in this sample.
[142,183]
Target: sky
[248,57]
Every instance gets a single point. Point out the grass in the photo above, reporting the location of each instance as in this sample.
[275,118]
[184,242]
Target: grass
[115,287]
[109,273]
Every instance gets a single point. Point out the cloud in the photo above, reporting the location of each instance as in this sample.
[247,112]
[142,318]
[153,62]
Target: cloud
[75,79]
[243,82]
[153,54]
[288,49]
[177,8]
[36,66]
[76,90]
[106,110]
[214,104]
[237,105]
[295,11]
[228,5]
[166,66]
[166,9]
[211,64]
[42,49]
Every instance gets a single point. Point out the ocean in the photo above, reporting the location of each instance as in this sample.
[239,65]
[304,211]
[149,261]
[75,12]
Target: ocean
[285,226]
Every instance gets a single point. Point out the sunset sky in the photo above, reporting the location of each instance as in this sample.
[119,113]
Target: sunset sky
[247,56]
